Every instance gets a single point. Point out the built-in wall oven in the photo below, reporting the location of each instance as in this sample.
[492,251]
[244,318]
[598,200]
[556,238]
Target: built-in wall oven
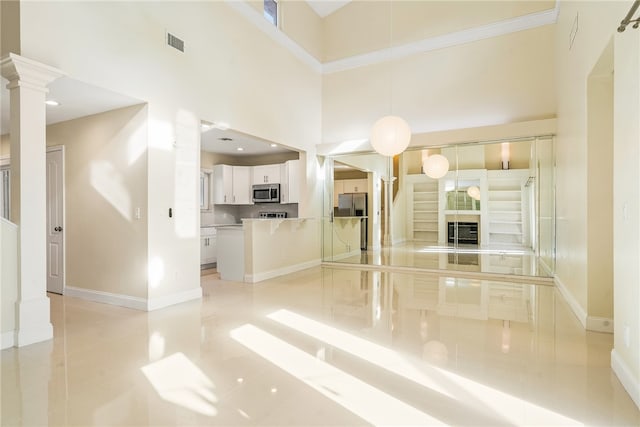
[463,232]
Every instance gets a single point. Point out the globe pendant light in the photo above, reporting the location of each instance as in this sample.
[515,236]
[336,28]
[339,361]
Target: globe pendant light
[436,166]
[390,135]
[474,192]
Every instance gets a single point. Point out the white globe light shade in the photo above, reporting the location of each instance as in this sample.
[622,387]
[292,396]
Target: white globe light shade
[436,166]
[390,135]
[474,192]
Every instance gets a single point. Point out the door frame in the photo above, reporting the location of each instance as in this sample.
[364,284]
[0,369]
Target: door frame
[64,215]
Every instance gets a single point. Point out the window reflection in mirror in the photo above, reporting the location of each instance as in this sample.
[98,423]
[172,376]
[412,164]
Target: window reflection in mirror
[495,206]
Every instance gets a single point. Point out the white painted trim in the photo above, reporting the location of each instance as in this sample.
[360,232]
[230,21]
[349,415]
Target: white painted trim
[172,299]
[259,277]
[9,223]
[32,335]
[600,324]
[346,255]
[252,15]
[8,339]
[507,26]
[107,298]
[496,29]
[575,306]
[625,375]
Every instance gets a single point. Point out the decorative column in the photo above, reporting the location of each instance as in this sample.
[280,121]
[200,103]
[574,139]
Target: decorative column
[387,238]
[27,86]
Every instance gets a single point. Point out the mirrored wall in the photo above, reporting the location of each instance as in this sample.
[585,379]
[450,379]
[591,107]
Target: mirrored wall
[478,207]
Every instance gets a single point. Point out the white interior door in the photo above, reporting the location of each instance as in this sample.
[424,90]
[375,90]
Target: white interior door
[55,220]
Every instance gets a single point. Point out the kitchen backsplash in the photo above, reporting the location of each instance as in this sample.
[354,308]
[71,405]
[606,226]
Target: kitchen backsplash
[232,214]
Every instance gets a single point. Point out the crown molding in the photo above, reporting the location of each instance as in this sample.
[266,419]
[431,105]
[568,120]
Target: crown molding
[496,29]
[457,38]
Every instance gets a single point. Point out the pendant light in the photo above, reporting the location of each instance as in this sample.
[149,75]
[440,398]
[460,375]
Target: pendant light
[390,135]
[436,166]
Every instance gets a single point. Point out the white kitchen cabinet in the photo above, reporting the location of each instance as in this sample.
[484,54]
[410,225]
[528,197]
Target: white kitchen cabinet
[232,185]
[208,246]
[242,194]
[267,174]
[355,186]
[290,186]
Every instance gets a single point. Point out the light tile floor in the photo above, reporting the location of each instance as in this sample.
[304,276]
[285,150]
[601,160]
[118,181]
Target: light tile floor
[324,346]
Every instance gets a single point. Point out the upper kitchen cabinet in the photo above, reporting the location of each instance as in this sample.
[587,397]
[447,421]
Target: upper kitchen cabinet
[267,174]
[232,185]
[355,186]
[290,186]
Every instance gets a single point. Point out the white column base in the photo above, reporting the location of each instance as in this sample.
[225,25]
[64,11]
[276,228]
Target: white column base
[34,322]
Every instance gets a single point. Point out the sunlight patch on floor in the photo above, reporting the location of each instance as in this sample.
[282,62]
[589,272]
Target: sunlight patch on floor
[355,395]
[178,380]
[468,392]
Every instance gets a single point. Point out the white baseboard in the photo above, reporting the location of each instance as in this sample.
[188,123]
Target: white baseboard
[107,298]
[8,339]
[338,257]
[171,299]
[575,306]
[625,375]
[259,277]
[135,303]
[590,323]
[600,324]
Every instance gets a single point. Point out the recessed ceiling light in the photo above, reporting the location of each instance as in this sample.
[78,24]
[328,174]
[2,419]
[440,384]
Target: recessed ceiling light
[52,102]
[274,145]
[240,149]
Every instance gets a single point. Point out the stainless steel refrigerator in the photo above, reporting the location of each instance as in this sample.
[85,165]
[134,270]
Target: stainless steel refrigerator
[355,204]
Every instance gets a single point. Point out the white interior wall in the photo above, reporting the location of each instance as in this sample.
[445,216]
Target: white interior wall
[625,358]
[230,72]
[105,183]
[488,82]
[596,26]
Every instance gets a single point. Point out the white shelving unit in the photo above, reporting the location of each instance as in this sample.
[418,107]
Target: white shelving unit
[423,209]
[507,208]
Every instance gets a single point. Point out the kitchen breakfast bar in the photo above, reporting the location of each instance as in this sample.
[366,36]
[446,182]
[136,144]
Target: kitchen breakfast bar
[259,249]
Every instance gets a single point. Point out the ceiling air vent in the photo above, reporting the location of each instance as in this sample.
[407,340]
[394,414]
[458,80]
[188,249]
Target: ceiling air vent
[175,42]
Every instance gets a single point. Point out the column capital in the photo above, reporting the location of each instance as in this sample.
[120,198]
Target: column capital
[16,68]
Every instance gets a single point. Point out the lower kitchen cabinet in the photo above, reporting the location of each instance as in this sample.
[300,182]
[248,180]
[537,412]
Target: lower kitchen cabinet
[208,246]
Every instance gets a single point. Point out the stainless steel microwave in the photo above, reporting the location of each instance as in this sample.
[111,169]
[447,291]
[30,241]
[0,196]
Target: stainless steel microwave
[266,193]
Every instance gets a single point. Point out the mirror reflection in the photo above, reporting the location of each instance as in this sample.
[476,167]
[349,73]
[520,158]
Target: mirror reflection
[491,209]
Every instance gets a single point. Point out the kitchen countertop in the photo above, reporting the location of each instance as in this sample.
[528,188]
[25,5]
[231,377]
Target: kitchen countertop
[276,219]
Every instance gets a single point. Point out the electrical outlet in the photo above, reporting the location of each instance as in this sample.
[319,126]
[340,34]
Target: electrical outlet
[137,214]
